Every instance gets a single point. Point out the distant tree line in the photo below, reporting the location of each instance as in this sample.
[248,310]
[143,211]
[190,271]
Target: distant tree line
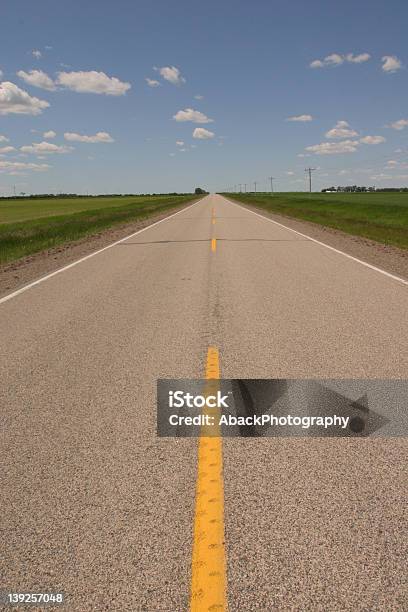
[44,196]
[358,189]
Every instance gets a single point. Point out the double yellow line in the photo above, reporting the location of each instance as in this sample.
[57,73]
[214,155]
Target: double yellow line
[208,576]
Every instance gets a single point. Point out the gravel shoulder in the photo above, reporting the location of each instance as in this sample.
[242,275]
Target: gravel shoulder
[387,257]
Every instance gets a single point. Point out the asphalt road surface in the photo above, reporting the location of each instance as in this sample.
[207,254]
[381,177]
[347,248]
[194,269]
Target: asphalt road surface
[95,505]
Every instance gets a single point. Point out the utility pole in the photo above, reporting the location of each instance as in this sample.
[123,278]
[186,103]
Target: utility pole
[309,171]
[245,186]
[271,178]
[255,185]
[240,185]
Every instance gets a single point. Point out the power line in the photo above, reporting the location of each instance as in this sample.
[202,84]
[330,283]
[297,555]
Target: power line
[309,171]
[271,178]
[255,185]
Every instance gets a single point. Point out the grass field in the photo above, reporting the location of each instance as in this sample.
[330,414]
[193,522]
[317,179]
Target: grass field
[380,216]
[29,226]
[24,209]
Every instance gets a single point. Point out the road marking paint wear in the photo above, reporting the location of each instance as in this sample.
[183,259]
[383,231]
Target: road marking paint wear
[208,574]
[78,261]
[360,261]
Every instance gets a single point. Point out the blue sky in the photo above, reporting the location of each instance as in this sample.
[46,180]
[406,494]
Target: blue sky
[250,64]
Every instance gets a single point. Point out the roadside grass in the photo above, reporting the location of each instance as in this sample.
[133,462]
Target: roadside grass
[25,209]
[19,239]
[382,217]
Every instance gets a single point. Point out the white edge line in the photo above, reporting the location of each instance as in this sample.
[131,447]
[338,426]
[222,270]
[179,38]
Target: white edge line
[360,261]
[78,261]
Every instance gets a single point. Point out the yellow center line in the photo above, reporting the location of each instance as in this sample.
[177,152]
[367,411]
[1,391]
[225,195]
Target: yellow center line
[213,244]
[208,574]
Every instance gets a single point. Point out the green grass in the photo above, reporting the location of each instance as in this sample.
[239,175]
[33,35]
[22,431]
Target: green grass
[24,209]
[30,226]
[379,216]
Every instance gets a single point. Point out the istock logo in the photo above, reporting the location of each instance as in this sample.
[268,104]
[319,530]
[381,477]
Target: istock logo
[180,399]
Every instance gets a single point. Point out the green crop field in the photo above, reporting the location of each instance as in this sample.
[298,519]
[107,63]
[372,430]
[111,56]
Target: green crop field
[379,216]
[30,225]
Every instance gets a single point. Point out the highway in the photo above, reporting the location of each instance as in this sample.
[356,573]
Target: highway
[95,505]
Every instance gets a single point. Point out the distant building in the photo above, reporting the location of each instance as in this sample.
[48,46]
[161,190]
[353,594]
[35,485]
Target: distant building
[348,189]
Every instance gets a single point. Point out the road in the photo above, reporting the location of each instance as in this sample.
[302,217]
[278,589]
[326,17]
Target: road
[96,505]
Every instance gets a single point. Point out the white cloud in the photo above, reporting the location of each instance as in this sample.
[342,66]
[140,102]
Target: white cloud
[290,173]
[189,114]
[330,60]
[336,59]
[400,124]
[50,134]
[172,74]
[93,82]
[392,163]
[391,63]
[358,59]
[41,148]
[203,134]
[36,53]
[334,148]
[37,78]
[341,130]
[12,167]
[179,143]
[301,118]
[4,138]
[98,137]
[152,82]
[372,140]
[1,74]
[199,97]
[14,100]
[6,149]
